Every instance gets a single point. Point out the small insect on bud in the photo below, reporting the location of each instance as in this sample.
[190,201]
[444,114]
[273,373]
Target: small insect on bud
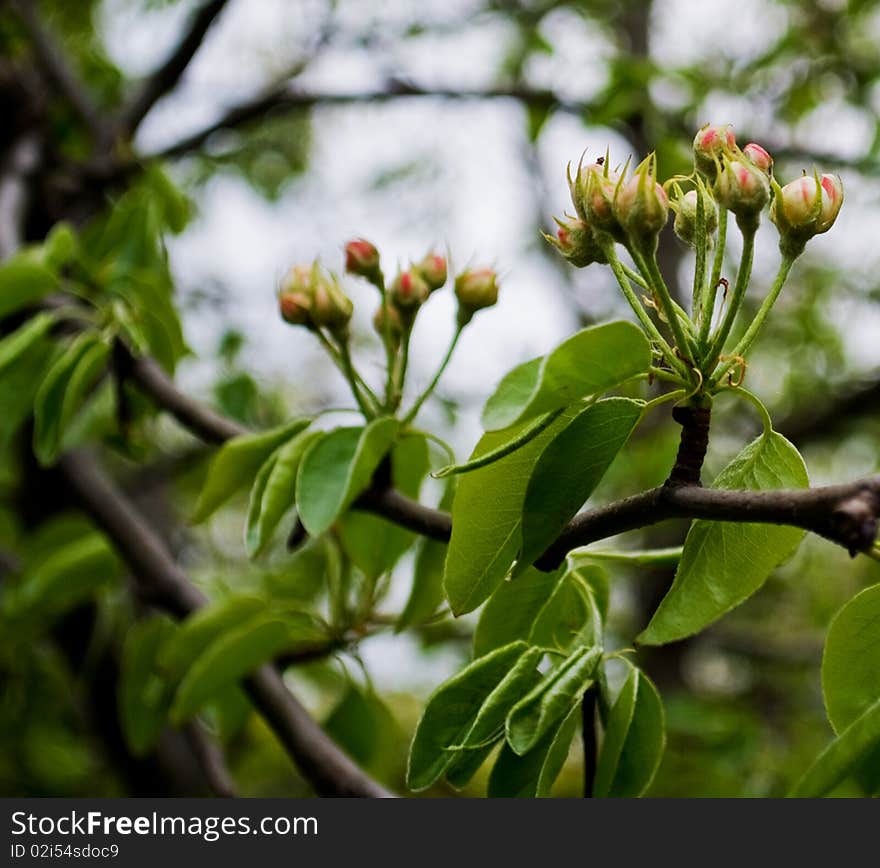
[710,144]
[362,258]
[475,289]
[641,204]
[685,225]
[433,270]
[805,207]
[743,189]
[757,156]
[409,291]
[576,242]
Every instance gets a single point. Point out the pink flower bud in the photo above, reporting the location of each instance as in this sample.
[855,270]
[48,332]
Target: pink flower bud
[475,289]
[295,308]
[686,215]
[805,207]
[757,156]
[433,270]
[743,189]
[710,144]
[641,204]
[592,194]
[576,242]
[409,290]
[362,258]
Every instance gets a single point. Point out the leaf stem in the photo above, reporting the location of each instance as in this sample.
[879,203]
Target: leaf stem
[764,413]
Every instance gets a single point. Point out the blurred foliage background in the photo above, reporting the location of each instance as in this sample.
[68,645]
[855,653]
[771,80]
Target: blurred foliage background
[300,124]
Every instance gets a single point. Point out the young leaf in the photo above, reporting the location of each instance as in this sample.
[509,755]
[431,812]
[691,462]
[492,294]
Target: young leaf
[24,280]
[231,657]
[15,345]
[570,467]
[71,573]
[466,764]
[724,563]
[851,662]
[62,392]
[551,700]
[590,362]
[237,462]
[205,627]
[143,695]
[844,756]
[635,737]
[274,490]
[533,775]
[363,726]
[487,519]
[451,712]
[375,544]
[551,610]
[337,468]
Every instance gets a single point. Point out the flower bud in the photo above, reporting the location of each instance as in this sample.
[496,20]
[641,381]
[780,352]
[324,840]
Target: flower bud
[433,270]
[686,215]
[362,258]
[387,316]
[757,156]
[641,204]
[743,189]
[805,207]
[409,290]
[331,307]
[710,144]
[295,308]
[475,289]
[576,242]
[592,194]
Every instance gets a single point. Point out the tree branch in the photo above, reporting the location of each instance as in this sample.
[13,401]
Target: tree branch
[328,769]
[166,77]
[210,758]
[845,514]
[56,70]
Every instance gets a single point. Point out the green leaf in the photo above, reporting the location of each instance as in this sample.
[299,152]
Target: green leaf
[724,563]
[466,764]
[337,468]
[487,519]
[590,362]
[570,468]
[362,725]
[15,345]
[375,544]
[851,671]
[552,610]
[236,464]
[851,662]
[274,490]
[235,654]
[426,593]
[533,775]
[205,627]
[451,712]
[635,737]
[70,574]
[551,700]
[23,281]
[63,391]
[488,726]
[845,755]
[143,695]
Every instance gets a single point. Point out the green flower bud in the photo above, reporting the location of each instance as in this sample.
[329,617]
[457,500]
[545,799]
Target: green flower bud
[390,315]
[475,289]
[641,204]
[576,242]
[742,188]
[331,307]
[686,215]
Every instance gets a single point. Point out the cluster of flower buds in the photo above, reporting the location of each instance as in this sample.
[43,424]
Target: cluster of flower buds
[312,297]
[805,207]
